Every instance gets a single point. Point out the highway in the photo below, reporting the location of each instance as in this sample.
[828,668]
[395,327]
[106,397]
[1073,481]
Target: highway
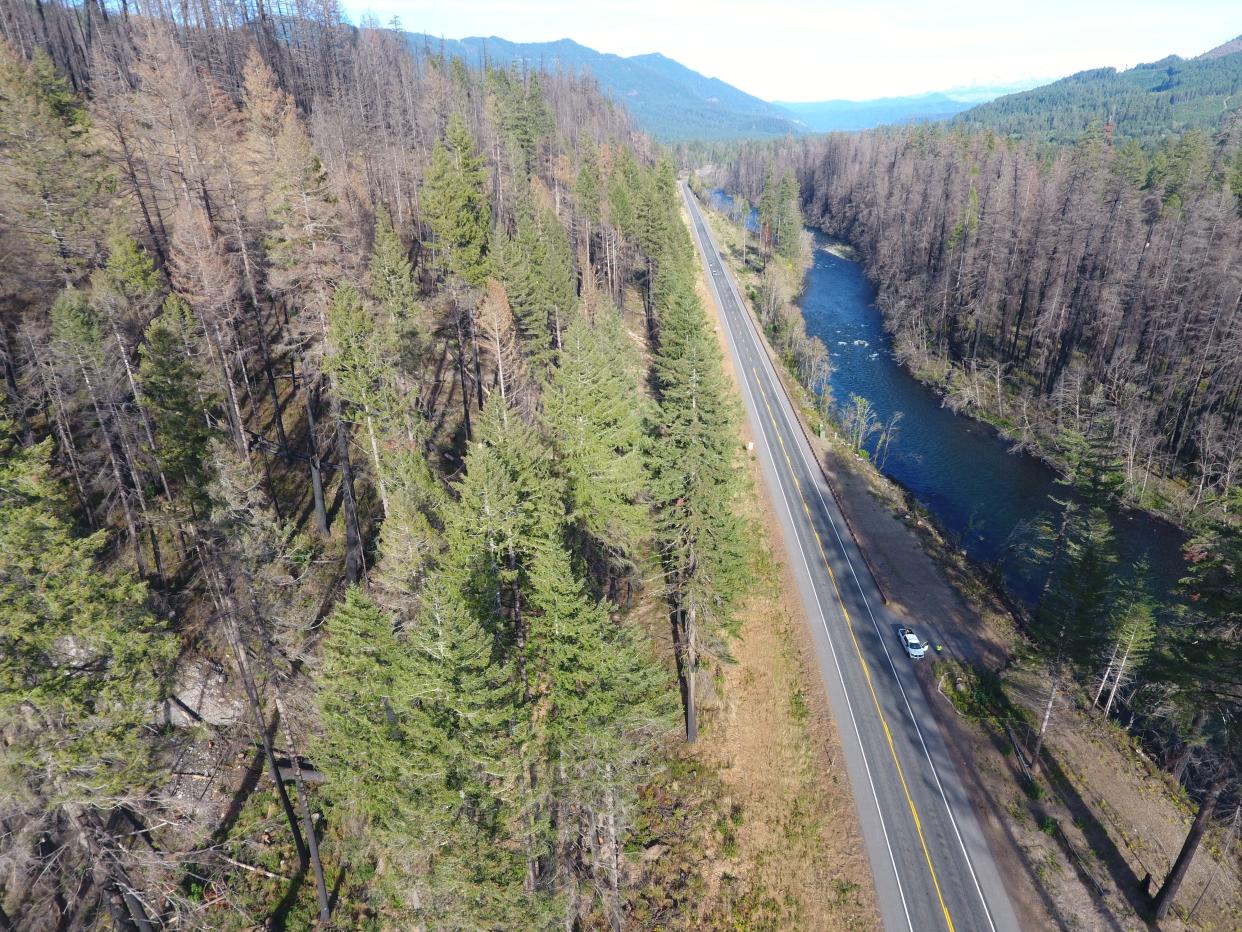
[931,863]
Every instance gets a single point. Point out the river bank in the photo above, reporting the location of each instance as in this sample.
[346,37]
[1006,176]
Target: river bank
[989,497]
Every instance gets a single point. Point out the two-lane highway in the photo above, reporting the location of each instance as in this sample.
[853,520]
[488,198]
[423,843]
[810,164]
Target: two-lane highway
[930,861]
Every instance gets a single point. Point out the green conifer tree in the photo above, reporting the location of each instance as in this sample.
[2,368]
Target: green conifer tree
[695,479]
[83,667]
[54,180]
[593,414]
[81,659]
[455,204]
[172,385]
[535,266]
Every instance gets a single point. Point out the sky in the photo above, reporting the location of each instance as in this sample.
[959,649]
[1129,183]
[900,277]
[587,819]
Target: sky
[799,50]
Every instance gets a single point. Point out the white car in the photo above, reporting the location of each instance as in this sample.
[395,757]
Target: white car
[915,648]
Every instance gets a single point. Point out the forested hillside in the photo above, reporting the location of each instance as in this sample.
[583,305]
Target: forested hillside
[1150,103]
[354,401]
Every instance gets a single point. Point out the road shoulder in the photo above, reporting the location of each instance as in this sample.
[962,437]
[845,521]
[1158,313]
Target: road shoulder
[779,743]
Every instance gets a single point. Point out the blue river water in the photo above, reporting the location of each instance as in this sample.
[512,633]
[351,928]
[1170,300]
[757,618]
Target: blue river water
[961,470]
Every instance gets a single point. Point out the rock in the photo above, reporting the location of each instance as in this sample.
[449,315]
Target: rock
[205,689]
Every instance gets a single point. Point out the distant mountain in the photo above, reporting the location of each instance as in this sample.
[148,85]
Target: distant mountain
[1225,48]
[667,99]
[828,115]
[1148,103]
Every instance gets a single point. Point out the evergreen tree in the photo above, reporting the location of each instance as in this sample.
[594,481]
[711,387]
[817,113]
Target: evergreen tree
[467,682]
[1134,631]
[594,416]
[304,243]
[359,365]
[788,221]
[53,178]
[391,281]
[81,658]
[83,667]
[695,479]
[536,267]
[523,116]
[588,187]
[769,210]
[1201,656]
[1072,621]
[171,383]
[605,704]
[383,747]
[455,204]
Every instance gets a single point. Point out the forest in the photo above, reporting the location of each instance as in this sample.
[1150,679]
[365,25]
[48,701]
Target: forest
[1149,103]
[354,403]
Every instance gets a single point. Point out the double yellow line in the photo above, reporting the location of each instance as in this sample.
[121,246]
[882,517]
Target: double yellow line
[918,825]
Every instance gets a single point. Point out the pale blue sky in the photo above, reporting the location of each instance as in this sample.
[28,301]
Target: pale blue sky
[804,50]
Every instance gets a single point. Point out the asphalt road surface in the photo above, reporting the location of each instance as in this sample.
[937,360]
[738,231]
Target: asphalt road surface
[931,863]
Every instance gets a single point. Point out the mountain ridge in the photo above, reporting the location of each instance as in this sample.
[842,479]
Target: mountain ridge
[666,98]
[1148,103]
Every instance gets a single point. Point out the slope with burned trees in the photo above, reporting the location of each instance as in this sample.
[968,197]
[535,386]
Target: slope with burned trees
[329,474]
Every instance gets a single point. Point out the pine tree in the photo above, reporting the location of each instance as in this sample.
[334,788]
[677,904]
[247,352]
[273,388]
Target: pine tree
[695,479]
[171,382]
[589,185]
[466,681]
[1134,631]
[769,211]
[54,181]
[1072,620]
[536,267]
[383,744]
[77,338]
[359,364]
[391,281]
[305,243]
[455,204]
[82,659]
[606,702]
[788,222]
[1201,656]
[83,667]
[594,416]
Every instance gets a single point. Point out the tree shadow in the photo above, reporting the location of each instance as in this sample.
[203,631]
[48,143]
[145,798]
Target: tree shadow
[1110,857]
[976,788]
[280,915]
[237,802]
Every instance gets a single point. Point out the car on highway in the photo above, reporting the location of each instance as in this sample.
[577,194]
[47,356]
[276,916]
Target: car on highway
[910,642]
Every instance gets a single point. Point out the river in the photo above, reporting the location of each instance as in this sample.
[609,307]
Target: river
[961,470]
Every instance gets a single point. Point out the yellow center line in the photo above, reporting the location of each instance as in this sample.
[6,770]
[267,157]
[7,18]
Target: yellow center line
[918,824]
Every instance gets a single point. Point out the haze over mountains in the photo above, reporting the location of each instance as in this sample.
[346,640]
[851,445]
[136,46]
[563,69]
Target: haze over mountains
[673,102]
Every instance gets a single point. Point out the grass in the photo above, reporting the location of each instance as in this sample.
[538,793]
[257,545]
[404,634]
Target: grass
[979,695]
